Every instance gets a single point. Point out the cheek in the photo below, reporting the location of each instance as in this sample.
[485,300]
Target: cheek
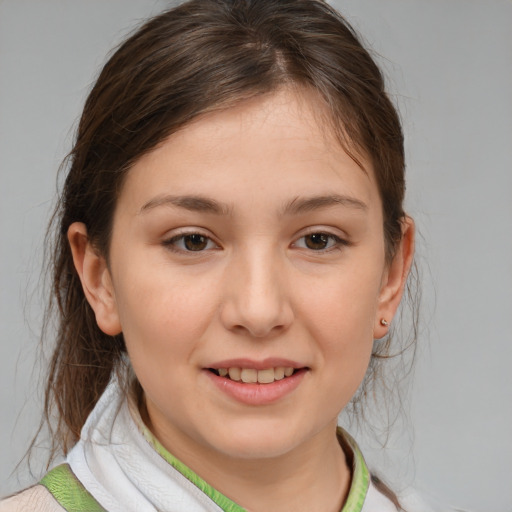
[344,304]
[340,317]
[162,314]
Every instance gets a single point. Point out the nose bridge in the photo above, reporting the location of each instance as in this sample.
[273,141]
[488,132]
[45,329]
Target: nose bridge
[257,300]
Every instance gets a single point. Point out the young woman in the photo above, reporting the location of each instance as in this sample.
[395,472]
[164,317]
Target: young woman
[230,246]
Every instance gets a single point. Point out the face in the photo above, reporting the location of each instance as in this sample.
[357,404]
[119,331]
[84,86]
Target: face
[248,243]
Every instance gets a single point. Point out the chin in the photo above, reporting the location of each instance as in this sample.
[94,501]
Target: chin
[258,440]
[258,449]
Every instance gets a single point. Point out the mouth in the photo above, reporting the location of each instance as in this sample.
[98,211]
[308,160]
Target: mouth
[253,376]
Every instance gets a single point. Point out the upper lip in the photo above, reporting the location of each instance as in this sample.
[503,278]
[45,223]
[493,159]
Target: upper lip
[263,364]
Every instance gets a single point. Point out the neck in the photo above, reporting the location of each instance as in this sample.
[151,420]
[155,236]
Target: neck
[308,479]
[317,468]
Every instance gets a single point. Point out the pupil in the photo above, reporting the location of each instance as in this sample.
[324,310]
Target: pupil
[195,242]
[317,241]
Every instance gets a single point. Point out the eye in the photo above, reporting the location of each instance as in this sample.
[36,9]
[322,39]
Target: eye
[190,242]
[319,241]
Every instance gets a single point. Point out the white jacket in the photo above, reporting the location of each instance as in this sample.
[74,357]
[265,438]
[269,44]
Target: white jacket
[119,466]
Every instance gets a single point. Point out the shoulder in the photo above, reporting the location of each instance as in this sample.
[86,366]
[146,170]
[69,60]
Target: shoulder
[33,499]
[58,491]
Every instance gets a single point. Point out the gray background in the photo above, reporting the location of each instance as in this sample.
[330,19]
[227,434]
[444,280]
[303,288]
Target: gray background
[449,64]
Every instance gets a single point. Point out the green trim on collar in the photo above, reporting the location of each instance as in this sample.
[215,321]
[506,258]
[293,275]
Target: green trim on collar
[69,492]
[360,476]
[356,496]
[222,501]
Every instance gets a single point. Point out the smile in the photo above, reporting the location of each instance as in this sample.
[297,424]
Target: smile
[252,376]
[256,387]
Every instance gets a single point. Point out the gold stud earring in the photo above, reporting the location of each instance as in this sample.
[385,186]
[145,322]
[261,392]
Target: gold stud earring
[384,322]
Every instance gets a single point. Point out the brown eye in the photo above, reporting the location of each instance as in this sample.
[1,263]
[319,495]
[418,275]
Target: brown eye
[195,242]
[317,241]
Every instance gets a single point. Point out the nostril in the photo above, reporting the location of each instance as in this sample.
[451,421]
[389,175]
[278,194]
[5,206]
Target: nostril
[259,330]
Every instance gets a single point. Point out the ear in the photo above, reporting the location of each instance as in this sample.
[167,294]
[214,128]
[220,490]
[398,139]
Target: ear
[95,278]
[394,279]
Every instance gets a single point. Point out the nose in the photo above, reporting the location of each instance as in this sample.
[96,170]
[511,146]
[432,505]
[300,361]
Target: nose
[257,298]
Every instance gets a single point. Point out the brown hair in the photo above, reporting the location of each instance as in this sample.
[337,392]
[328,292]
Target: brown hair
[201,56]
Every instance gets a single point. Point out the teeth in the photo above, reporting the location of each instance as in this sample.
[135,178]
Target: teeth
[251,376]
[234,373]
[266,376]
[279,373]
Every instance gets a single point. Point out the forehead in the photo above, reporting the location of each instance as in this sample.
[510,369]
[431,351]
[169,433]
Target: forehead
[282,143]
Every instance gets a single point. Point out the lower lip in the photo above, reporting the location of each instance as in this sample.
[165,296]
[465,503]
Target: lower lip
[258,394]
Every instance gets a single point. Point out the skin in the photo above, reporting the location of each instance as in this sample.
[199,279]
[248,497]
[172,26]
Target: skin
[256,290]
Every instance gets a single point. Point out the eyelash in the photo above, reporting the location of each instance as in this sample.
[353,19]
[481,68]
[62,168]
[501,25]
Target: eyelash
[172,243]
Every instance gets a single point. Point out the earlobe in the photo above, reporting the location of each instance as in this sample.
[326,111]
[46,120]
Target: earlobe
[95,277]
[394,280]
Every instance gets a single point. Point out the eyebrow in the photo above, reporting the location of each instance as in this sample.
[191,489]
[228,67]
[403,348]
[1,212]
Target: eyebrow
[297,206]
[192,203]
[301,205]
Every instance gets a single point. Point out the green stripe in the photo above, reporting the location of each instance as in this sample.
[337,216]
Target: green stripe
[222,501]
[69,491]
[73,497]
[360,477]
[355,500]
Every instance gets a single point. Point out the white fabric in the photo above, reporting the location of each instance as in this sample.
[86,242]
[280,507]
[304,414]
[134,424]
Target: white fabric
[124,473]
[34,499]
